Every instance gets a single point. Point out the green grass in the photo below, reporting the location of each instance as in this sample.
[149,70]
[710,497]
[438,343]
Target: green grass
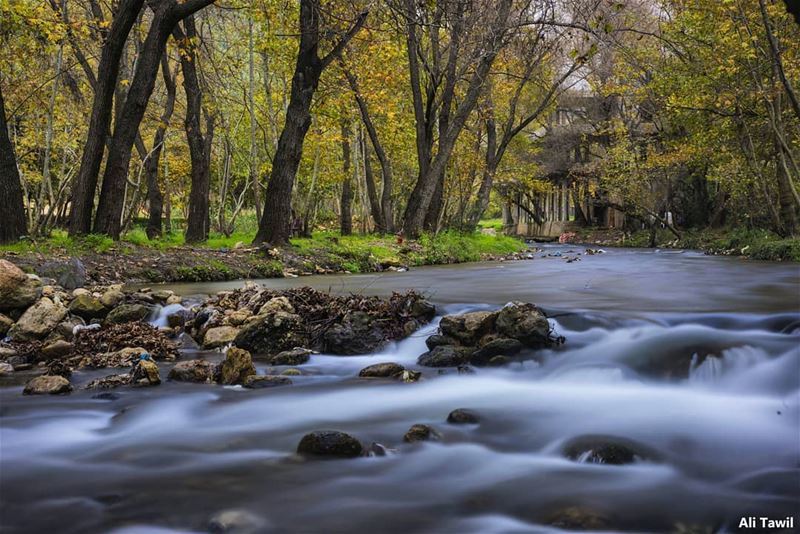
[455,247]
[496,224]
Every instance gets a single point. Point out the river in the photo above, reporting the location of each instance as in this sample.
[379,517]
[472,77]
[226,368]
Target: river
[722,440]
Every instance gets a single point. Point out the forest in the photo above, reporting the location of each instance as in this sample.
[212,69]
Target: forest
[270,119]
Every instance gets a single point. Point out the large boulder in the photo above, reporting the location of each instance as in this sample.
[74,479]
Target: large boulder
[446,356]
[17,290]
[86,306]
[126,313]
[192,371]
[357,333]
[38,320]
[330,443]
[219,336]
[47,385]
[68,274]
[235,368]
[382,370]
[271,333]
[468,328]
[525,323]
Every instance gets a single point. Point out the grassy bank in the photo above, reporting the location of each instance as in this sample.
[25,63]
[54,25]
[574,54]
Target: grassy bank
[137,258]
[755,244]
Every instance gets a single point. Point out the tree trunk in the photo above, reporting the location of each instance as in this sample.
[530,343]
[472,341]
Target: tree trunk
[346,216]
[85,183]
[155,199]
[12,209]
[372,193]
[276,220]
[198,219]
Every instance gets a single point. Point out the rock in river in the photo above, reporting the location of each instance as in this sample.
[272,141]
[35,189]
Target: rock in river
[235,368]
[266,381]
[421,433]
[87,307]
[382,370]
[357,333]
[330,443]
[605,450]
[271,333]
[296,356]
[461,416]
[446,356]
[192,371]
[47,384]
[125,313]
[219,336]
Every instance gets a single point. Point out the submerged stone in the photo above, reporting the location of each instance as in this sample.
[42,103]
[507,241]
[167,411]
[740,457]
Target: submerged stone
[330,443]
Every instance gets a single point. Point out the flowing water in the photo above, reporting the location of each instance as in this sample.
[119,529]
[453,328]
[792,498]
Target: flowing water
[691,360]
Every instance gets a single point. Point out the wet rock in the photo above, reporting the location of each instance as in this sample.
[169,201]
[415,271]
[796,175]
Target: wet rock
[179,319]
[410,376]
[525,323]
[7,353]
[462,416]
[126,313]
[6,369]
[57,350]
[382,370]
[357,333]
[145,372]
[577,518]
[192,371]
[499,361]
[109,382]
[66,328]
[495,347]
[379,449]
[5,325]
[468,328]
[58,367]
[271,333]
[446,356]
[438,340]
[162,295]
[296,356]
[423,309]
[111,298]
[603,450]
[266,381]
[17,290]
[330,443]
[174,299]
[235,368]
[276,304]
[421,433]
[236,522]
[87,307]
[38,320]
[292,372]
[239,317]
[68,274]
[47,385]
[219,336]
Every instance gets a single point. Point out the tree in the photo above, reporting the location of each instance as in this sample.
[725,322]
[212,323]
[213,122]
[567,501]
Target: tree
[85,183]
[166,15]
[13,224]
[198,220]
[276,220]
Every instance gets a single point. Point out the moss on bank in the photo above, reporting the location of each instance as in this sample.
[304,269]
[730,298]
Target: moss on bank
[137,258]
